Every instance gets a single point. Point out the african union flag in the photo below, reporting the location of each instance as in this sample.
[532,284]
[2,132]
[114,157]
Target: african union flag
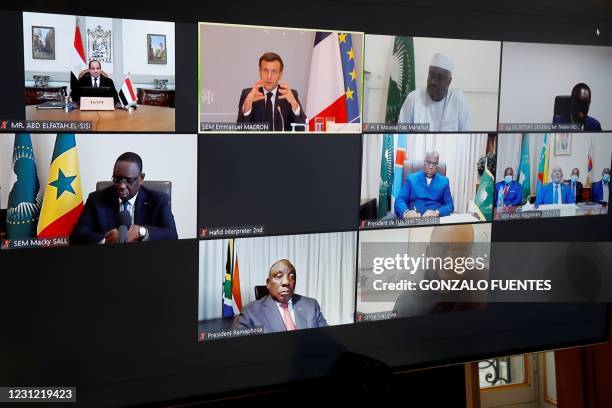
[63,200]
[25,199]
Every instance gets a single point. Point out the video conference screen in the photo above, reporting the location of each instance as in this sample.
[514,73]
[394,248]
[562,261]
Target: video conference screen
[97,74]
[204,186]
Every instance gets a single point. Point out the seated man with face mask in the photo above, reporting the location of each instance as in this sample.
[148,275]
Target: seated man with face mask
[555,192]
[575,185]
[509,192]
[601,189]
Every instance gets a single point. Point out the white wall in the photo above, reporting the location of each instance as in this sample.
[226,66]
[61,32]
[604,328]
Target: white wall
[129,48]
[510,145]
[64,36]
[165,157]
[476,74]
[135,48]
[225,72]
[533,74]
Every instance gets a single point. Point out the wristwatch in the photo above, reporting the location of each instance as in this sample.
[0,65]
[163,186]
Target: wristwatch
[142,233]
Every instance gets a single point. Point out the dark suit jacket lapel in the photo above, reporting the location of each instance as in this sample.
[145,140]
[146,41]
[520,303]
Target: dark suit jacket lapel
[111,207]
[142,201]
[299,312]
[272,315]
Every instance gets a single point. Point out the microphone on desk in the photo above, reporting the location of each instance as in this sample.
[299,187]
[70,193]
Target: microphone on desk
[125,222]
[281,116]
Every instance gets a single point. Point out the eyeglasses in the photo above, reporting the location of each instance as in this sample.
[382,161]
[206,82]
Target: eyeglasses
[126,180]
[431,164]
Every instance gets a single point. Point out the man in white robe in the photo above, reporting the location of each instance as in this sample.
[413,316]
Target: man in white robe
[444,108]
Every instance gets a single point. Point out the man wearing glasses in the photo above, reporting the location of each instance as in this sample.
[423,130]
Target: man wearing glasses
[148,213]
[425,193]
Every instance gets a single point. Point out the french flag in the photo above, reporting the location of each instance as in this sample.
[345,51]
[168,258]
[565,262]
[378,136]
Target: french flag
[326,94]
[127,96]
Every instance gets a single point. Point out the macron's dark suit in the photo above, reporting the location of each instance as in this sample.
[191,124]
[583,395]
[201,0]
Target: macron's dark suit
[101,214]
[258,113]
[264,313]
[85,82]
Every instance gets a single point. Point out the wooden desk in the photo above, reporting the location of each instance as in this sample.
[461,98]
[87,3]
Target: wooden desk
[145,118]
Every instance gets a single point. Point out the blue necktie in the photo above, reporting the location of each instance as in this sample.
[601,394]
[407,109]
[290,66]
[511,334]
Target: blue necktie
[556,195]
[126,206]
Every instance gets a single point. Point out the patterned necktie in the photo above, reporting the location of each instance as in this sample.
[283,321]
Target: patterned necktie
[268,112]
[289,324]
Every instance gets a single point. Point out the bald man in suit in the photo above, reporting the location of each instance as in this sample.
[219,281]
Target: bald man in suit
[282,309]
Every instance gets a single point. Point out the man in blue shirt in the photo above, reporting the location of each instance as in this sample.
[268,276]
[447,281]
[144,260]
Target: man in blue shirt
[512,191]
[555,192]
[601,189]
[425,193]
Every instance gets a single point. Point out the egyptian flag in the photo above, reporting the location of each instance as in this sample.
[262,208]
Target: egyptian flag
[326,93]
[63,199]
[127,96]
[79,62]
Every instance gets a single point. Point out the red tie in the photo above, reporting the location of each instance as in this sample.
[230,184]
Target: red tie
[289,324]
[506,191]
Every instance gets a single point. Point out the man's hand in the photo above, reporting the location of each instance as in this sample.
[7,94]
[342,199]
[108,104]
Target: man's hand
[287,94]
[253,96]
[411,214]
[431,213]
[112,236]
[133,234]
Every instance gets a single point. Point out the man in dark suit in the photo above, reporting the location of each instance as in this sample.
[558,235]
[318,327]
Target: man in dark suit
[575,185]
[600,190]
[151,218]
[95,79]
[282,309]
[580,102]
[269,101]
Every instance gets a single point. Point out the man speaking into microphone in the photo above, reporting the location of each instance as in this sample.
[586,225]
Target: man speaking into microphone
[269,100]
[126,211]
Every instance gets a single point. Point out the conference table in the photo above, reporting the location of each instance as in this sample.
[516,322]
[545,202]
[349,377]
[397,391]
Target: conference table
[144,118]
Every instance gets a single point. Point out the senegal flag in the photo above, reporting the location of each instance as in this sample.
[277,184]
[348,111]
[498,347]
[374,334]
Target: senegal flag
[63,200]
[484,196]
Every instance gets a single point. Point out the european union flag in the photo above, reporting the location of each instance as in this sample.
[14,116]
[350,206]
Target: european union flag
[25,200]
[349,73]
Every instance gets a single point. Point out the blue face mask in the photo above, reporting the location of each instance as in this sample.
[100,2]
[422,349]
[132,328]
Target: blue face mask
[508,179]
[606,178]
[574,178]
